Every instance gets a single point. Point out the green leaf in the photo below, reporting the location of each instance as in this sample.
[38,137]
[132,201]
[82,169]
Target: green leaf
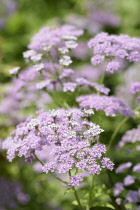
[103,205]
[83,202]
[130,206]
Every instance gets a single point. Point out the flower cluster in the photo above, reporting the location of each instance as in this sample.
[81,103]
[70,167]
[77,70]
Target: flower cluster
[63,39]
[109,104]
[123,189]
[97,15]
[129,78]
[11,195]
[135,89]
[22,94]
[69,136]
[130,137]
[123,167]
[111,47]
[128,189]
[49,50]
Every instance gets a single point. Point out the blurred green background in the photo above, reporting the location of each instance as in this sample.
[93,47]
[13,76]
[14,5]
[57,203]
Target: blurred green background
[28,17]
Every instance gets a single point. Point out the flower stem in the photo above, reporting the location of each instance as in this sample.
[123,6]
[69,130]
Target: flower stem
[101,80]
[90,195]
[38,159]
[76,195]
[53,174]
[118,128]
[77,198]
[115,133]
[102,77]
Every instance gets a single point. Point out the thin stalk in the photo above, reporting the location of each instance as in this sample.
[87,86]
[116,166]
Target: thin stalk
[77,198]
[101,80]
[38,159]
[118,128]
[54,69]
[90,195]
[115,133]
[41,133]
[51,62]
[53,174]
[76,195]
[110,178]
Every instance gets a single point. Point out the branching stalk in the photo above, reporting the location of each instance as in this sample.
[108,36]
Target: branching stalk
[53,174]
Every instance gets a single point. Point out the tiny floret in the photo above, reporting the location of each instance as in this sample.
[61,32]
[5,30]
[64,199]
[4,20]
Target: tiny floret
[14,70]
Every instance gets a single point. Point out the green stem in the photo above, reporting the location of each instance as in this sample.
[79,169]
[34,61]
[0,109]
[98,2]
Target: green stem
[54,69]
[115,133]
[66,105]
[117,130]
[51,62]
[90,195]
[77,198]
[102,78]
[76,195]
[110,178]
[38,159]
[53,174]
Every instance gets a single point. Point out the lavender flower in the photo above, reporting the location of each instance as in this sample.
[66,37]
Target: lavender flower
[128,180]
[71,139]
[109,104]
[89,72]
[118,188]
[47,38]
[65,60]
[133,196]
[100,88]
[99,14]
[114,46]
[136,168]
[69,86]
[121,168]
[97,59]
[14,70]
[11,194]
[75,180]
[20,95]
[131,136]
[135,87]
[106,163]
[129,79]
[112,66]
